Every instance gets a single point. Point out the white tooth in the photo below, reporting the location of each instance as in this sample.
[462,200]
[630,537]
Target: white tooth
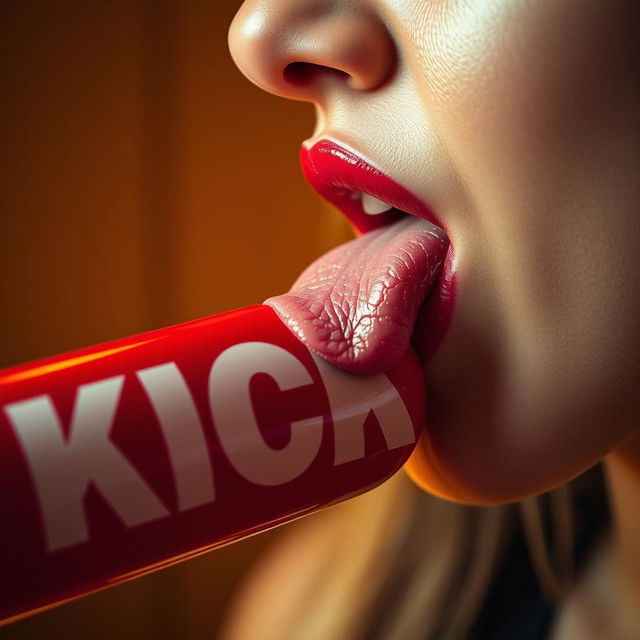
[373,206]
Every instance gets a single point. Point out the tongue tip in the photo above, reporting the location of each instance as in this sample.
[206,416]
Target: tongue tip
[356,306]
[330,343]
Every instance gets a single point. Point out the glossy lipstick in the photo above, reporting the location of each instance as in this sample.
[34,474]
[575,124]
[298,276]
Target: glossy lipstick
[341,176]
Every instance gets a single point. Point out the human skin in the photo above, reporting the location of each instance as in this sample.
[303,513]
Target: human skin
[516,121]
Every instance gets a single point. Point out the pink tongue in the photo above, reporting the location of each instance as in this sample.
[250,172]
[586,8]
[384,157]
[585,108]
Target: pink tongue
[356,305]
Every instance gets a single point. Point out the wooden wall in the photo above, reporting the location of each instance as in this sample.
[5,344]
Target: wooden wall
[143,182]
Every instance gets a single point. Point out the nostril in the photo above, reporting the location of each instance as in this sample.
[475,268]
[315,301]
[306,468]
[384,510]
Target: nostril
[307,49]
[304,73]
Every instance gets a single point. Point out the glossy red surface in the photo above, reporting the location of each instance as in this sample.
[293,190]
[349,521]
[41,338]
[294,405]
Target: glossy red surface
[125,457]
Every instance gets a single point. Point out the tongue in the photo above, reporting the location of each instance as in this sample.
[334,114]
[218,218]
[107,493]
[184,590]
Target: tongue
[356,305]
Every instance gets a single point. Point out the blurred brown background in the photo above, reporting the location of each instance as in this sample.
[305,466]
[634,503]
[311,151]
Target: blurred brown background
[143,182]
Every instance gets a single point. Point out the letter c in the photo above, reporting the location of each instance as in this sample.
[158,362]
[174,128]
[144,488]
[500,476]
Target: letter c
[236,423]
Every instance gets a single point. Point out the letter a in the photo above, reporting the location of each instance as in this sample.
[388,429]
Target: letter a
[351,397]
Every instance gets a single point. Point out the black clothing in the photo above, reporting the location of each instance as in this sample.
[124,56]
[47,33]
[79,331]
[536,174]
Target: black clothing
[515,607]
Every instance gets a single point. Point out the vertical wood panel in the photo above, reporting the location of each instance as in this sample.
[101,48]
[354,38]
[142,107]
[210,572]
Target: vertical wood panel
[143,182]
[160,37]
[70,176]
[247,220]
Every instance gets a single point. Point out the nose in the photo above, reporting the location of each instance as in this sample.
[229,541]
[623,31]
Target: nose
[299,48]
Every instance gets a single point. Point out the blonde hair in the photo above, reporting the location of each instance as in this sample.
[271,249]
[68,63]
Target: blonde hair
[395,564]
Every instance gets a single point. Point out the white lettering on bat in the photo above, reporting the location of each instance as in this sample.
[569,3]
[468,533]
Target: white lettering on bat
[63,469]
[351,398]
[182,429]
[235,421]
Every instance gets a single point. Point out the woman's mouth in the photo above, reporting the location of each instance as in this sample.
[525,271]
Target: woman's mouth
[367,196]
[360,305]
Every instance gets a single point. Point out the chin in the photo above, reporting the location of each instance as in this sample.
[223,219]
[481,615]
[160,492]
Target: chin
[494,436]
[475,471]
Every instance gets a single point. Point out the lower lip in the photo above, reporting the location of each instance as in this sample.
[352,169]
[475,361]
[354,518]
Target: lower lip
[336,173]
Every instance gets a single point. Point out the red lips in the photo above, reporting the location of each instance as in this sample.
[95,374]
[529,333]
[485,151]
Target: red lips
[340,176]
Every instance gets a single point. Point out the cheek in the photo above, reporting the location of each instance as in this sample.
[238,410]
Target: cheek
[534,382]
[513,412]
[511,83]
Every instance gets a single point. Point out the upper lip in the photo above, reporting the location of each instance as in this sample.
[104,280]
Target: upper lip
[341,175]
